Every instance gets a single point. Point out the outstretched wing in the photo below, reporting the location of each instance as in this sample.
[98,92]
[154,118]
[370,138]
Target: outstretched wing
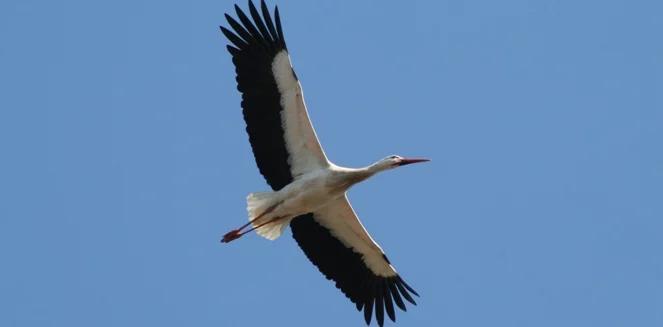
[334,239]
[283,140]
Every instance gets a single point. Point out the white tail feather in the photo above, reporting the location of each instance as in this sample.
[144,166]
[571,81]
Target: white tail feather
[256,204]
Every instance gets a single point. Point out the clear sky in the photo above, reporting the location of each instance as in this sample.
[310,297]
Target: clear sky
[124,159]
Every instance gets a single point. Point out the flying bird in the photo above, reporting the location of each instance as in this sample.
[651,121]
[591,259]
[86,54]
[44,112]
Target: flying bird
[309,191]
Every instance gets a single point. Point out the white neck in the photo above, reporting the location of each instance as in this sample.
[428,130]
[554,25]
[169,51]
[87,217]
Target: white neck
[377,167]
[353,176]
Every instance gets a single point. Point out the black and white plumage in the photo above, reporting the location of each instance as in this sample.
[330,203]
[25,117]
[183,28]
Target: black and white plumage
[309,191]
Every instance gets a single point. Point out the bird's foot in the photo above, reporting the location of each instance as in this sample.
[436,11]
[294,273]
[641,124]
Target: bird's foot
[231,235]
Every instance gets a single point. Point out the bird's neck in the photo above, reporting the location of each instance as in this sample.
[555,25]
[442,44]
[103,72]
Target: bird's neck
[352,176]
[375,168]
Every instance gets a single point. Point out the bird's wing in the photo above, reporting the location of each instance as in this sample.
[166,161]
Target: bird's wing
[334,239]
[283,140]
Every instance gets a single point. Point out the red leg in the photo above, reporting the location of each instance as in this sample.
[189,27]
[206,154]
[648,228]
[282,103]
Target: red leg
[237,233]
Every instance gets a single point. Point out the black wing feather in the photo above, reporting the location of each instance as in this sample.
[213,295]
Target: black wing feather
[279,30]
[232,49]
[388,304]
[408,286]
[253,54]
[258,20]
[240,30]
[347,269]
[404,292]
[248,24]
[268,20]
[379,303]
[397,297]
[368,309]
[234,39]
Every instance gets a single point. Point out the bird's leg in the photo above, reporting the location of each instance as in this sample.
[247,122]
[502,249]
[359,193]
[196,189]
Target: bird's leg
[237,233]
[275,219]
[270,209]
[231,235]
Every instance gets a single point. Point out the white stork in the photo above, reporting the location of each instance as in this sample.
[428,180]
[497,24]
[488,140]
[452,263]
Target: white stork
[309,191]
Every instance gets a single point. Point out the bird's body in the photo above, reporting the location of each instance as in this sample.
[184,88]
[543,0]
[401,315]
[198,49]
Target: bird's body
[309,191]
[315,189]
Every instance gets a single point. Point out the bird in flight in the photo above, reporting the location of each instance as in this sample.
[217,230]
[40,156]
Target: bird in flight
[309,191]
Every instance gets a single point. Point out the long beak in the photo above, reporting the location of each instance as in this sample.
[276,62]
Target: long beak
[407,161]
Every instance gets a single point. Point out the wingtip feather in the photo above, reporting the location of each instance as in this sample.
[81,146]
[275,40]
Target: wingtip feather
[388,304]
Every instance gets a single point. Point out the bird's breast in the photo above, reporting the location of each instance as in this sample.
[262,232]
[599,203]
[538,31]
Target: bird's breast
[309,193]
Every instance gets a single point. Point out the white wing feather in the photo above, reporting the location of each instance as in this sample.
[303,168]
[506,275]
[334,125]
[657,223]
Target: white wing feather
[302,143]
[341,220]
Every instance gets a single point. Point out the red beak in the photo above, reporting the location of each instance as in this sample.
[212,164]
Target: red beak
[407,161]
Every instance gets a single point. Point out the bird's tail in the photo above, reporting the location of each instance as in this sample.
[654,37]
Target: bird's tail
[259,206]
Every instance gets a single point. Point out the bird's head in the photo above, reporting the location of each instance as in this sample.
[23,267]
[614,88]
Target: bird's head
[394,161]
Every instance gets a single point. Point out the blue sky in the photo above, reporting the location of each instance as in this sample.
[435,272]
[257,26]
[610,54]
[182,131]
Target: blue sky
[124,159]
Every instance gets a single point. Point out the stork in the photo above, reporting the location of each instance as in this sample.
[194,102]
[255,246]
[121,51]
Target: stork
[309,191]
